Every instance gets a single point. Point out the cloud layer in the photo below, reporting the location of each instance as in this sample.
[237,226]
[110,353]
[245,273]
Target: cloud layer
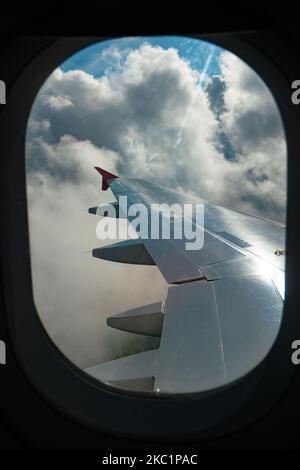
[153,117]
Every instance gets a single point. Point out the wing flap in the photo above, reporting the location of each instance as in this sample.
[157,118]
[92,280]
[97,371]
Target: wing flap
[215,332]
[190,357]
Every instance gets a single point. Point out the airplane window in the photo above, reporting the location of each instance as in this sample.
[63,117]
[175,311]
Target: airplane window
[164,120]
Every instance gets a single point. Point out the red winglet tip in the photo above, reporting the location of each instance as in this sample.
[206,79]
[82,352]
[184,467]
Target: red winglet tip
[107,177]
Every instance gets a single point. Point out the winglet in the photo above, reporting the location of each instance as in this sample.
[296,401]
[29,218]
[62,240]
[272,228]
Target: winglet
[107,177]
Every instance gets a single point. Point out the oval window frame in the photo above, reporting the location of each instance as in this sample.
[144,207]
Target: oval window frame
[79,395]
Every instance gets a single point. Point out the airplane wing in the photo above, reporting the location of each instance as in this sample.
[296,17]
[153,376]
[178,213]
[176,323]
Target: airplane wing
[225,298]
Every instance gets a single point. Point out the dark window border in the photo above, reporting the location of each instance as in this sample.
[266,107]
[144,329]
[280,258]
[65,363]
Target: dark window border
[61,383]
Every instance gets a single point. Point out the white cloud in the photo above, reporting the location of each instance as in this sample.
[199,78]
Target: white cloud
[73,291]
[59,102]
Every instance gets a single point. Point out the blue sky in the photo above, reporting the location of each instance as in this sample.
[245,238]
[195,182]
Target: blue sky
[99,58]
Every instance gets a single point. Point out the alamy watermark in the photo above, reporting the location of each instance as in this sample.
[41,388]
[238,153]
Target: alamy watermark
[154,221]
[2,353]
[295,357]
[295,97]
[2,92]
